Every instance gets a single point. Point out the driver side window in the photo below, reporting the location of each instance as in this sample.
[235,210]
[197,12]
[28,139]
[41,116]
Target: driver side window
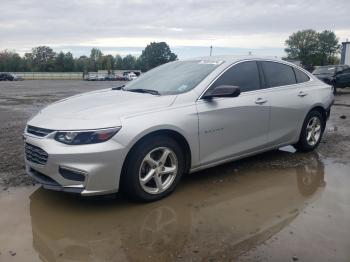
[245,75]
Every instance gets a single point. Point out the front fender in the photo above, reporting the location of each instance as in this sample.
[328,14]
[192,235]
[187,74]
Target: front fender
[183,120]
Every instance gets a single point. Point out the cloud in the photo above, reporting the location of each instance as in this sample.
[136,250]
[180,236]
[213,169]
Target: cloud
[134,23]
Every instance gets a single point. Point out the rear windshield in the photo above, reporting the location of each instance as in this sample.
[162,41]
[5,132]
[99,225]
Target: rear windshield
[175,77]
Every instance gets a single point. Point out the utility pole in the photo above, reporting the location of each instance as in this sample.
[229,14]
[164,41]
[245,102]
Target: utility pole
[211,50]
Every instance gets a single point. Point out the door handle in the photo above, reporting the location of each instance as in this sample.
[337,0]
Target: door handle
[302,94]
[260,101]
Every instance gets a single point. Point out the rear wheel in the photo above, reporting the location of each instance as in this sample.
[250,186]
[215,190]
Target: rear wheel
[311,132]
[153,169]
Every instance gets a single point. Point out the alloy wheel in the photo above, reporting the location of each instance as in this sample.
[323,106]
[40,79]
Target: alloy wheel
[313,131]
[158,170]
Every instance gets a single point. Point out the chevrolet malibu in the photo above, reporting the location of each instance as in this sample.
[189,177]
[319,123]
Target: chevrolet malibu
[178,118]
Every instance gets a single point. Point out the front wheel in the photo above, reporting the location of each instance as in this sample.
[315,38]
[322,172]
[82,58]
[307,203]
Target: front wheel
[153,169]
[312,131]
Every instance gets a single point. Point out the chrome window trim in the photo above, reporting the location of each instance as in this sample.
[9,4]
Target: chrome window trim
[261,89]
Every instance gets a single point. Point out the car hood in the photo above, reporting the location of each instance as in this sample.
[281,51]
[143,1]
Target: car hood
[99,109]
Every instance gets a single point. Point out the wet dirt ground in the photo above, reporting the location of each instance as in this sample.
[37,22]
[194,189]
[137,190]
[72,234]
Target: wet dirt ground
[278,206]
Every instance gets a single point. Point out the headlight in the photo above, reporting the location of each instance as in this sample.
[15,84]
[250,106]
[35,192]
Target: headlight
[86,137]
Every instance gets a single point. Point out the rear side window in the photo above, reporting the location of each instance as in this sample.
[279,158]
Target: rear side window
[301,76]
[278,74]
[245,75]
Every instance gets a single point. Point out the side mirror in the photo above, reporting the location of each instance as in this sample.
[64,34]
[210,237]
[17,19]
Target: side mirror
[223,91]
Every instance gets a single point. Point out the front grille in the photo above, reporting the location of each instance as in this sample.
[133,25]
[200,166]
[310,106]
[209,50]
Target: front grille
[35,154]
[37,131]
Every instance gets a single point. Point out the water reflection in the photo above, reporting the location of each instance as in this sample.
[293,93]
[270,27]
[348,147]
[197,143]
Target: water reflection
[220,212]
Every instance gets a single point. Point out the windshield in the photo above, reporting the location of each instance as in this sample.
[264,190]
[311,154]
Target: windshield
[175,77]
[324,70]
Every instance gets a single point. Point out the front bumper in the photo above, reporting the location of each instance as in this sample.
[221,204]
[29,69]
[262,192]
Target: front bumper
[98,166]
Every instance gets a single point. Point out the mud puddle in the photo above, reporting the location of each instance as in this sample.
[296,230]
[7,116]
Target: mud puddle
[259,209]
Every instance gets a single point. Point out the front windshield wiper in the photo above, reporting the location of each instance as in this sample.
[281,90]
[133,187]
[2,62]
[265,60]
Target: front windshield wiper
[119,88]
[143,90]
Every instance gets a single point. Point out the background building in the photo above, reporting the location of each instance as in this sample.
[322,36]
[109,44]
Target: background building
[345,53]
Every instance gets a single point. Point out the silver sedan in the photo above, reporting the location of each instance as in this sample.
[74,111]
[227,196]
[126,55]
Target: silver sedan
[178,118]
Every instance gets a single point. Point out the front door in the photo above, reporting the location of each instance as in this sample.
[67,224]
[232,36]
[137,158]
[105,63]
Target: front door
[229,127]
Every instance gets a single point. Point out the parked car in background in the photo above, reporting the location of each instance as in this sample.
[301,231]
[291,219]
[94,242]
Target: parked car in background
[121,78]
[337,76]
[110,77]
[17,77]
[101,77]
[180,117]
[91,77]
[6,77]
[130,76]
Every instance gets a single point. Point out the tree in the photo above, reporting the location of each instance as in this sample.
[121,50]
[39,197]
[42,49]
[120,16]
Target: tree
[156,54]
[303,46]
[312,48]
[95,54]
[28,60]
[59,62]
[82,64]
[129,62]
[328,46]
[43,58]
[95,59]
[118,62]
[107,62]
[11,62]
[64,62]
[68,62]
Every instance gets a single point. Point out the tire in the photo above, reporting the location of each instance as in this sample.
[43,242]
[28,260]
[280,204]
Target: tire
[309,142]
[144,163]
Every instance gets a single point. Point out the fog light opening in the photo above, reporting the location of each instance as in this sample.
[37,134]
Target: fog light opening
[71,174]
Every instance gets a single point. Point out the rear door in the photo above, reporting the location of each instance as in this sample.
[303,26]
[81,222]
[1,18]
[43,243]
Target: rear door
[288,101]
[234,126]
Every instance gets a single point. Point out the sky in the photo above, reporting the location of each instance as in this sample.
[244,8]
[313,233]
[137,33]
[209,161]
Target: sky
[190,27]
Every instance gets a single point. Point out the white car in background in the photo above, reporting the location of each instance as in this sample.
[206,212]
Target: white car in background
[90,77]
[130,76]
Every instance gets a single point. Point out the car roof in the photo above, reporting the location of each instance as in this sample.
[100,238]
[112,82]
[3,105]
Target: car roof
[234,58]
